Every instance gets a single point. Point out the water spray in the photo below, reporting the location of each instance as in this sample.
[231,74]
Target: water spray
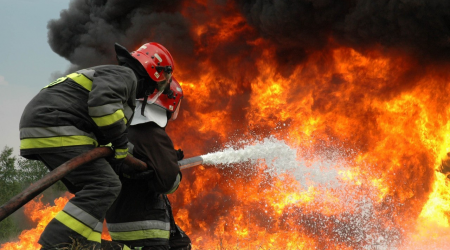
[276,154]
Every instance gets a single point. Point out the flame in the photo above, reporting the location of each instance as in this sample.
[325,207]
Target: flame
[380,120]
[41,214]
[381,115]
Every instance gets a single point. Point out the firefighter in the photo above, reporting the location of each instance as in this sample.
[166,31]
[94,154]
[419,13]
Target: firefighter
[78,112]
[141,217]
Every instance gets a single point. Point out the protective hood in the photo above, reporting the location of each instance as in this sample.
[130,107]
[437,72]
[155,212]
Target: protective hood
[153,113]
[125,58]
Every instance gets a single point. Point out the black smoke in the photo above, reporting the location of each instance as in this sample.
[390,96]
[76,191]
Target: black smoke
[418,27]
[86,31]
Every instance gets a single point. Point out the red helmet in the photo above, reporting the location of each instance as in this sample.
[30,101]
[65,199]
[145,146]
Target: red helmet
[170,101]
[156,60]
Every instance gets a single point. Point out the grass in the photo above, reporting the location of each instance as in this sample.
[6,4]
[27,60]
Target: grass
[76,244]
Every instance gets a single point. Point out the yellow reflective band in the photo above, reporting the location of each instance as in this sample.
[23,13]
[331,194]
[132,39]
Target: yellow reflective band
[77,77]
[109,119]
[82,80]
[126,248]
[140,235]
[175,185]
[121,153]
[60,141]
[59,80]
[174,188]
[95,236]
[78,227]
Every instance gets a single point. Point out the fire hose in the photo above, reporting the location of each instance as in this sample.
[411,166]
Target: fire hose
[58,173]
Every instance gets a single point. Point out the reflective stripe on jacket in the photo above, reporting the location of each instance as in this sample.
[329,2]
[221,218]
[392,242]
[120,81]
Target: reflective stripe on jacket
[141,221]
[81,222]
[81,109]
[139,230]
[62,136]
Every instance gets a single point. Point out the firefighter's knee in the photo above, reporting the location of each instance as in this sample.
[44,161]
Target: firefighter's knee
[115,187]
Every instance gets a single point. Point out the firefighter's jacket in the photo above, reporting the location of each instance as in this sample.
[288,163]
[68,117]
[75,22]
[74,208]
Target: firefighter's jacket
[140,216]
[82,109]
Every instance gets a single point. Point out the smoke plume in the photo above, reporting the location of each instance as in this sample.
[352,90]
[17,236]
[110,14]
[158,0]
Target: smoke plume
[85,32]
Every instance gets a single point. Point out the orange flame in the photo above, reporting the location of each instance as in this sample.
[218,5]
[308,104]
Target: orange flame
[41,214]
[383,115]
[392,146]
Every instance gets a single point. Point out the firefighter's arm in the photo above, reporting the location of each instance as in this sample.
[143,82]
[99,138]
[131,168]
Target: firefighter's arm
[151,176]
[180,155]
[176,184]
[158,152]
[167,174]
[110,90]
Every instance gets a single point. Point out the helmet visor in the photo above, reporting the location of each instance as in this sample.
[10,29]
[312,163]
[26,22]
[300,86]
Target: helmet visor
[175,114]
[162,86]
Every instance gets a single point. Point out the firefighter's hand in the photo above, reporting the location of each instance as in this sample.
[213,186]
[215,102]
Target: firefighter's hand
[117,165]
[120,147]
[180,154]
[125,171]
[118,159]
[145,175]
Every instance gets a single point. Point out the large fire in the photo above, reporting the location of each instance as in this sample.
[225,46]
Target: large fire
[380,118]
[391,145]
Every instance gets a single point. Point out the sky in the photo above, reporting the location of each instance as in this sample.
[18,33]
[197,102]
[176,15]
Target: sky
[27,62]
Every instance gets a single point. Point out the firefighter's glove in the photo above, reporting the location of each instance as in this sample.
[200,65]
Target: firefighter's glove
[145,175]
[180,154]
[120,147]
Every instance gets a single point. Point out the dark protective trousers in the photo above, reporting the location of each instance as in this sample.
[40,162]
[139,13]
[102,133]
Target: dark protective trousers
[95,186]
